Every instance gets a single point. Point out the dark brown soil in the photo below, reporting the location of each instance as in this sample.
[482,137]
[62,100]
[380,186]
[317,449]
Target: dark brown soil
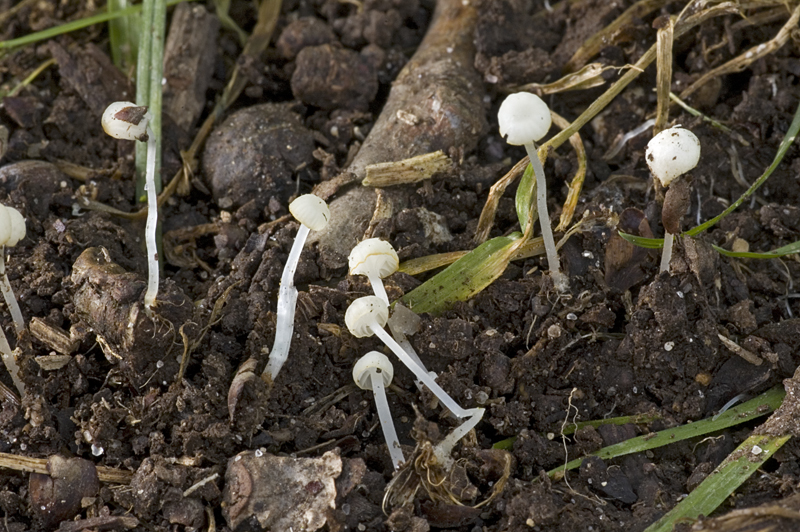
[625,340]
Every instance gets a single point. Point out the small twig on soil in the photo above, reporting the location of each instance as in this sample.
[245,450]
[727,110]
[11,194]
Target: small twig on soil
[27,464]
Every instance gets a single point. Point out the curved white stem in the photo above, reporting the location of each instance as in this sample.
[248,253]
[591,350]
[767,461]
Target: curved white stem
[10,361]
[8,295]
[445,447]
[666,252]
[287,303]
[420,372]
[151,225]
[387,424]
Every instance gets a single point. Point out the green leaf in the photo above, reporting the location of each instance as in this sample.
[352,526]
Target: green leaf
[525,200]
[74,26]
[786,143]
[465,277]
[759,406]
[723,481]
[643,242]
[123,35]
[788,249]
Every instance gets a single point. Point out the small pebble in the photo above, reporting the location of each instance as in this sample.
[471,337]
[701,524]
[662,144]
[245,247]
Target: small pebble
[668,346]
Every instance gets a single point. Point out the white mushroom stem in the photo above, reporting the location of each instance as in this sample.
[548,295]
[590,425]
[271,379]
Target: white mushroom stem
[444,448]
[377,286]
[419,372]
[666,252]
[387,424]
[8,295]
[374,372]
[553,264]
[151,225]
[10,361]
[287,302]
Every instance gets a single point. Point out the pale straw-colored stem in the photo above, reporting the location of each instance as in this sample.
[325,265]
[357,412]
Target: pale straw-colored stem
[377,286]
[444,448]
[666,252]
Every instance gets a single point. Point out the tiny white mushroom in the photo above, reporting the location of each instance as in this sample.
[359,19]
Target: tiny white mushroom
[127,121]
[12,230]
[376,259]
[670,154]
[444,448]
[524,119]
[313,214]
[374,372]
[367,316]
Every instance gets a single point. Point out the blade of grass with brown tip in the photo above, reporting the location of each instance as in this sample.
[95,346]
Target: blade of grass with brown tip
[723,481]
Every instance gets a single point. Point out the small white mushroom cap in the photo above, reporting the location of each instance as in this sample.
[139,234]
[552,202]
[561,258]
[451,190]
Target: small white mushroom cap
[524,118]
[372,362]
[672,153]
[365,312]
[5,225]
[17,226]
[126,121]
[373,255]
[311,211]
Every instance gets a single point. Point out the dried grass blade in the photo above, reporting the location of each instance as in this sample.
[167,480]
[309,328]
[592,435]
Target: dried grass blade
[666,34]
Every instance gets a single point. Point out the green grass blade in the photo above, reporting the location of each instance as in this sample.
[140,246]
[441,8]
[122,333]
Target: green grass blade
[786,143]
[464,278]
[788,249]
[525,199]
[759,406]
[643,242]
[123,35]
[723,481]
[74,26]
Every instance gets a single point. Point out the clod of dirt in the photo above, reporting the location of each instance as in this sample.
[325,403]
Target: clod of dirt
[109,300]
[56,497]
[263,491]
[253,154]
[676,203]
[38,181]
[331,78]
[302,33]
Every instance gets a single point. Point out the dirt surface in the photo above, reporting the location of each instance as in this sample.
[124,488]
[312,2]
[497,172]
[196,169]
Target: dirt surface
[624,340]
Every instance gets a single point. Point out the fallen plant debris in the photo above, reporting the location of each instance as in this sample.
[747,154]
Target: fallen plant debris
[640,392]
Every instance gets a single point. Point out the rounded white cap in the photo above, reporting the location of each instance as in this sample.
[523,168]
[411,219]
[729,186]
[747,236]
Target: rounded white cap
[364,312]
[373,255]
[17,226]
[372,361]
[311,211]
[672,153]
[5,225]
[523,118]
[126,121]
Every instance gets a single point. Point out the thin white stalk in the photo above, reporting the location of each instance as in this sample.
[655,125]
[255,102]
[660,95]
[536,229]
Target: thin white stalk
[377,286]
[666,252]
[287,302]
[447,401]
[387,424]
[445,447]
[553,264]
[10,361]
[151,225]
[8,295]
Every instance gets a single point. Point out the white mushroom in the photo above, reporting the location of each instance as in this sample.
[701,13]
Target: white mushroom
[374,372]
[524,119]
[367,316]
[313,214]
[127,121]
[670,154]
[376,259]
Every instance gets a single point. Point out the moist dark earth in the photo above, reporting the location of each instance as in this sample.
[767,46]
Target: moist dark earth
[624,340]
